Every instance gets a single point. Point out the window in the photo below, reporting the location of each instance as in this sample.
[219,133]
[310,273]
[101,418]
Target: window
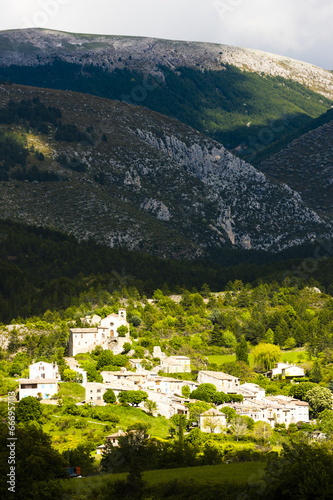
[28,386]
[98,397]
[98,390]
[81,335]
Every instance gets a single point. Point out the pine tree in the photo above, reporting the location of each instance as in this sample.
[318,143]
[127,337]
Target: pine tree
[242,351]
[316,373]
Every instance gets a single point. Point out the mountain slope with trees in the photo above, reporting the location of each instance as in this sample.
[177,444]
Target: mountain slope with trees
[127,176]
[238,97]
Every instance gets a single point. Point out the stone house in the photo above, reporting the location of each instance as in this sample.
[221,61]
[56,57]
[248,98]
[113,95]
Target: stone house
[44,370]
[222,381]
[212,421]
[105,335]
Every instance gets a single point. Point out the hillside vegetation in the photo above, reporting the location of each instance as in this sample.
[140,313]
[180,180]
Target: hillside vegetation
[229,105]
[43,269]
[127,176]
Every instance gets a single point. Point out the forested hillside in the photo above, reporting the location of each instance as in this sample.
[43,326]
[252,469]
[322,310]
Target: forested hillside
[229,105]
[43,269]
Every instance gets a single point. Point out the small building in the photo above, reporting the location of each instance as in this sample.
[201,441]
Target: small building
[38,388]
[286,370]
[44,370]
[136,363]
[222,381]
[112,438]
[100,449]
[176,364]
[212,421]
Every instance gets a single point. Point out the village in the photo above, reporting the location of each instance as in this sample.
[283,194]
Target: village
[170,395]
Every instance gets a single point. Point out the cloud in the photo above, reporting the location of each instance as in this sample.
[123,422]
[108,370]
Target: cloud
[300,29]
[297,28]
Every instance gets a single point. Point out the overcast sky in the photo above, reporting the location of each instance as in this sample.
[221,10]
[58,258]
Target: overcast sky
[302,29]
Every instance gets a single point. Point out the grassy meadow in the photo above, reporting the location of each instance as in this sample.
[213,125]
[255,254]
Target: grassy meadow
[292,356]
[238,473]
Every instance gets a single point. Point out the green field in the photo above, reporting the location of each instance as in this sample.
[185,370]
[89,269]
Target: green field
[296,356]
[238,473]
[71,390]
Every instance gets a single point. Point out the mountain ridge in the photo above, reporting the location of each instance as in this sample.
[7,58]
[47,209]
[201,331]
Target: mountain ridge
[184,53]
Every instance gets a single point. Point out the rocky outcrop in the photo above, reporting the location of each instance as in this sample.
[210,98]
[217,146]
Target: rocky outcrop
[252,211]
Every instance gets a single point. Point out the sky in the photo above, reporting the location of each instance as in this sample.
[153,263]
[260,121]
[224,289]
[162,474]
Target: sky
[301,29]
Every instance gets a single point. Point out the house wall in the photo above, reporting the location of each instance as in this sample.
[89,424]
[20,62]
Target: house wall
[219,421]
[44,370]
[174,364]
[83,340]
[46,390]
[225,385]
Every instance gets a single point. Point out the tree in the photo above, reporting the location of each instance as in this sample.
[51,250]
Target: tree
[242,351]
[319,399]
[186,391]
[81,457]
[217,335]
[109,397]
[269,336]
[204,392]
[316,373]
[238,427]
[211,423]
[299,391]
[70,375]
[302,471]
[127,347]
[38,465]
[229,412]
[266,355]
[325,420]
[105,358]
[150,406]
[205,291]
[28,409]
[133,398]
[135,320]
[228,339]
[122,331]
[196,409]
[262,431]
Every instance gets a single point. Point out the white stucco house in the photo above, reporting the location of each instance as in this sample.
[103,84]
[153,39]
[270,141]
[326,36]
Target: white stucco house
[38,388]
[44,370]
[286,370]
